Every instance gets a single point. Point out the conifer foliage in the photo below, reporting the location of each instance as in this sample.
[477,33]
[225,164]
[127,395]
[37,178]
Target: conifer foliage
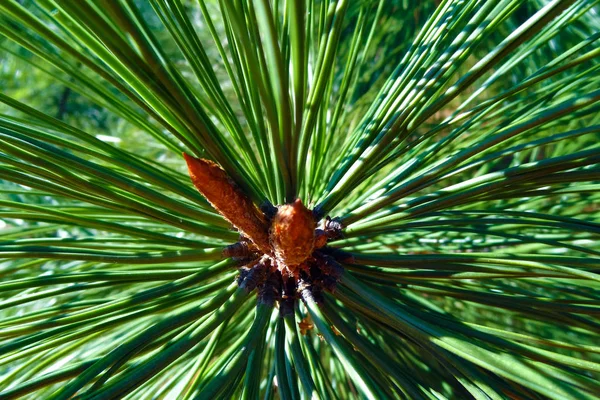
[300,199]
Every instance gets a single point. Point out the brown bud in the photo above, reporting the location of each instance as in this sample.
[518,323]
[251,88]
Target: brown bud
[229,200]
[292,233]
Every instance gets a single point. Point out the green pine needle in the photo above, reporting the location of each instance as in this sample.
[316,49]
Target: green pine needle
[456,141]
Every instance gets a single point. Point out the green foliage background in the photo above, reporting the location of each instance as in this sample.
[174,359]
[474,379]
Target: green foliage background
[458,141]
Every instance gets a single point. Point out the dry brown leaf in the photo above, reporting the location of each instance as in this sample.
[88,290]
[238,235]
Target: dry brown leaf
[305,325]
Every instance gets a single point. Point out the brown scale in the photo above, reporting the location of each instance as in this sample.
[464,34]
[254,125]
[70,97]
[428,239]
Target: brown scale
[283,251]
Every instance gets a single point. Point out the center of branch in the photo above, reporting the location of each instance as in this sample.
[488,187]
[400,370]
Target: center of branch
[292,234]
[282,251]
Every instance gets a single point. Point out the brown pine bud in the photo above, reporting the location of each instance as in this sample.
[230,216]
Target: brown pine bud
[292,233]
[229,200]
